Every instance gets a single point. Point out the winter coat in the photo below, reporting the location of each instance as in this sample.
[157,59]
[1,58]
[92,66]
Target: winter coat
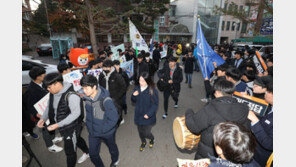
[240,86]
[152,67]
[241,67]
[101,114]
[218,162]
[263,131]
[177,77]
[156,55]
[116,85]
[146,102]
[32,95]
[189,64]
[124,76]
[202,123]
[138,69]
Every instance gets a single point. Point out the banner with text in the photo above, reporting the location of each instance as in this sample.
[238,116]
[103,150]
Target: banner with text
[115,55]
[193,163]
[259,63]
[96,73]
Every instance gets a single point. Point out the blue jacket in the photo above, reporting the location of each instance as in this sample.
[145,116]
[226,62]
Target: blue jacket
[100,122]
[218,162]
[263,131]
[241,87]
[145,104]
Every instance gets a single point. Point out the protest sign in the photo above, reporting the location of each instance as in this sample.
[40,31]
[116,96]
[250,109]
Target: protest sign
[193,163]
[114,49]
[128,67]
[96,73]
[41,105]
[255,104]
[74,78]
[136,38]
[259,63]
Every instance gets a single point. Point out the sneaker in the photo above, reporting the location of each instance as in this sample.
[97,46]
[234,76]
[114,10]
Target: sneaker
[24,159]
[143,145]
[164,116]
[83,158]
[122,121]
[55,149]
[57,140]
[186,81]
[27,134]
[176,106]
[151,143]
[205,100]
[114,164]
[35,136]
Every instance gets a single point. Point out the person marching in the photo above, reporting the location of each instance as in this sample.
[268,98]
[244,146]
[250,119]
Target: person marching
[189,63]
[173,76]
[145,97]
[101,120]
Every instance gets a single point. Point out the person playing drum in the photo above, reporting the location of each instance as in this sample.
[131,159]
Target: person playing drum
[145,97]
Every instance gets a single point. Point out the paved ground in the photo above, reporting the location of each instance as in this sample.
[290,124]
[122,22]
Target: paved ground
[164,152]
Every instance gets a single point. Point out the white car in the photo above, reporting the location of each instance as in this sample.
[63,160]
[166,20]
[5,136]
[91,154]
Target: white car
[264,49]
[28,63]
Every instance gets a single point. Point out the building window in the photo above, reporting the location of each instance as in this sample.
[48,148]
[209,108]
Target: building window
[235,8]
[162,21]
[223,25]
[172,11]
[233,26]
[244,27]
[237,27]
[230,7]
[227,25]
[225,6]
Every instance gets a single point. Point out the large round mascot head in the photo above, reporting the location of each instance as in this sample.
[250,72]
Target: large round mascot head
[79,57]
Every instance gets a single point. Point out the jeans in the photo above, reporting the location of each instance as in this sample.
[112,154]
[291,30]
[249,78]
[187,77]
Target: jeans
[95,145]
[188,78]
[145,132]
[196,65]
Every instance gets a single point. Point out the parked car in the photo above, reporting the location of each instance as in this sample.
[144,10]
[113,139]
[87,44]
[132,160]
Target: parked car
[44,50]
[28,63]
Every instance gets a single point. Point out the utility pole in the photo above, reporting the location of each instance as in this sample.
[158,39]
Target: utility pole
[194,22]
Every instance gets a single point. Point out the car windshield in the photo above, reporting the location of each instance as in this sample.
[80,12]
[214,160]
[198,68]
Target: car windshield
[46,45]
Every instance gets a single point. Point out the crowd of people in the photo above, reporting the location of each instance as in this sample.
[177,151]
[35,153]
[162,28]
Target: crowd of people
[231,135]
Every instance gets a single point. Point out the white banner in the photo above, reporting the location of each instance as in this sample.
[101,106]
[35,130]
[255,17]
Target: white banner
[41,105]
[193,163]
[74,78]
[96,73]
[136,38]
[115,55]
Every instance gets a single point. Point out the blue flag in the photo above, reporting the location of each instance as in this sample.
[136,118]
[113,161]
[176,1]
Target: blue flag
[151,44]
[205,54]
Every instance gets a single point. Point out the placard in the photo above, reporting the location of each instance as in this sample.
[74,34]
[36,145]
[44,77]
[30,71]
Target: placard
[259,63]
[193,163]
[255,104]
[96,73]
[114,49]
[128,67]
[41,105]
[74,77]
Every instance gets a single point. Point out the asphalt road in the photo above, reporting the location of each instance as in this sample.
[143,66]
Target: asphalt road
[164,152]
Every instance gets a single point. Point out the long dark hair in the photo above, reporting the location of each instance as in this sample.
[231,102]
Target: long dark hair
[148,80]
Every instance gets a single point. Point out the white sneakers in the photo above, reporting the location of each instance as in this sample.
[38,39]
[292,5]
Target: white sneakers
[57,140]
[83,158]
[205,100]
[54,148]
[122,121]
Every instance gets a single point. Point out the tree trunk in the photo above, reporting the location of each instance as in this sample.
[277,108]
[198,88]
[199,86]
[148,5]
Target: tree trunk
[259,18]
[91,28]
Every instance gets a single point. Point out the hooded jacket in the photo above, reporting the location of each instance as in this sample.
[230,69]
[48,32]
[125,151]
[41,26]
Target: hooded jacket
[101,114]
[202,123]
[177,77]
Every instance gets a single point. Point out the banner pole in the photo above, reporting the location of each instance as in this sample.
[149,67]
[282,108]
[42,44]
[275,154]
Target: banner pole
[203,52]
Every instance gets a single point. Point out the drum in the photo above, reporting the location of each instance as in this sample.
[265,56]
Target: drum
[183,137]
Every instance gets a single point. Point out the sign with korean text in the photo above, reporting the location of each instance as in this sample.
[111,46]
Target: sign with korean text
[259,63]
[255,104]
[96,73]
[128,67]
[193,163]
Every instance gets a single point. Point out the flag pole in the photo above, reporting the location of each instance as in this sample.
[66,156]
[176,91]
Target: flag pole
[203,52]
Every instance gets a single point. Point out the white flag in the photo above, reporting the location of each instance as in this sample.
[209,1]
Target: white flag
[136,38]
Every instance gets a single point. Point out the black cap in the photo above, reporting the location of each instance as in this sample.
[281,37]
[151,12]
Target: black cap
[140,56]
[173,59]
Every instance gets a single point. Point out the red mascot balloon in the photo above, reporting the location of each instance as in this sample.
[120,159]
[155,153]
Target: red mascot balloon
[79,57]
